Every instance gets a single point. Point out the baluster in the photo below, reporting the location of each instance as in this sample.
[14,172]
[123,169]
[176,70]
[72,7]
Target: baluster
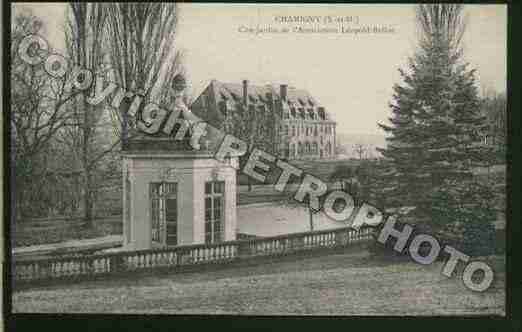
[153,259]
[163,259]
[85,267]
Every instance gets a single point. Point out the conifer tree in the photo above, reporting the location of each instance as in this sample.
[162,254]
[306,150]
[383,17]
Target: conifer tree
[436,125]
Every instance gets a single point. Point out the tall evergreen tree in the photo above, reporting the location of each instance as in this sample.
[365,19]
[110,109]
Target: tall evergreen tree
[436,124]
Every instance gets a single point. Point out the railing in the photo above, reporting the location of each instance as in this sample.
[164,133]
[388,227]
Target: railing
[220,253]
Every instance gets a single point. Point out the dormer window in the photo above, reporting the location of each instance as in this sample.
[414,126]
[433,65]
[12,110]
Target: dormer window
[223,96]
[322,114]
[235,96]
[223,107]
[310,102]
[252,98]
[302,113]
[301,102]
[311,113]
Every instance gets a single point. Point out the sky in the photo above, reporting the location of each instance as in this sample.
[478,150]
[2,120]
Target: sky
[350,74]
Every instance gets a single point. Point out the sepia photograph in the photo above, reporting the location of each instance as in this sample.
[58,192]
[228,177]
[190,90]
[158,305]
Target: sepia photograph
[257,159]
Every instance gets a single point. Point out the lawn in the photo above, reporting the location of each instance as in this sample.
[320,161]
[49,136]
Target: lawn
[341,284]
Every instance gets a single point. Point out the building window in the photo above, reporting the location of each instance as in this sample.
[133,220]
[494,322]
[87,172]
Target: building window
[235,96]
[286,130]
[302,113]
[293,130]
[223,107]
[214,205]
[164,212]
[311,114]
[300,148]
[307,147]
[315,130]
[328,149]
[322,114]
[314,148]
[292,150]
[292,111]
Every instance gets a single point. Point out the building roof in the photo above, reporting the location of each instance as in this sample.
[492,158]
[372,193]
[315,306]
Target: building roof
[297,98]
[160,142]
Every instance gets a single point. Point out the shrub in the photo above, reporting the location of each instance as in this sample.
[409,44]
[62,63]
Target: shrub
[462,214]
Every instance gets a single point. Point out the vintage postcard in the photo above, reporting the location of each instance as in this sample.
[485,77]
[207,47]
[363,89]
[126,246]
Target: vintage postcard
[257,159]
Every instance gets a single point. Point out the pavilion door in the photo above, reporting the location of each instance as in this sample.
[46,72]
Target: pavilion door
[164,205]
[171,221]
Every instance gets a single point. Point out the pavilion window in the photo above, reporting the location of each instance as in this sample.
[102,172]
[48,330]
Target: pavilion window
[127,205]
[214,211]
[164,212]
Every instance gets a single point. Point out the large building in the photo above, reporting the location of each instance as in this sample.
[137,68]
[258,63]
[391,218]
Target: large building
[301,126]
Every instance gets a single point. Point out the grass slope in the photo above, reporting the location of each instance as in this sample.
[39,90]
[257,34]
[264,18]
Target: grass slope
[343,284]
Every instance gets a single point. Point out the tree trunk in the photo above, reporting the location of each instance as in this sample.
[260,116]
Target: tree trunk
[88,203]
[250,148]
[87,199]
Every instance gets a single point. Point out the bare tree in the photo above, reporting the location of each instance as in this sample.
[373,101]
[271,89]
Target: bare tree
[86,27]
[175,67]
[39,110]
[140,42]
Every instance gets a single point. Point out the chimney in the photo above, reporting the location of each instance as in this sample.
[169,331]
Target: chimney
[283,88]
[245,92]
[270,100]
